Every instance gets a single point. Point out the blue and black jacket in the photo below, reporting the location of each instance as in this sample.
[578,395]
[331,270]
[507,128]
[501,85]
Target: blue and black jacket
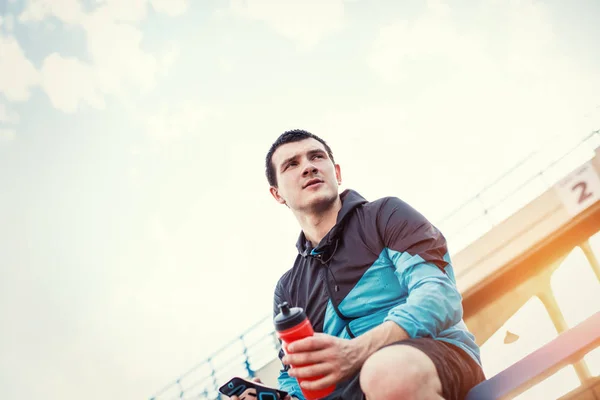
[382,261]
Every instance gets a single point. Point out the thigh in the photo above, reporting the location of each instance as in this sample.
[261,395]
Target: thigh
[457,371]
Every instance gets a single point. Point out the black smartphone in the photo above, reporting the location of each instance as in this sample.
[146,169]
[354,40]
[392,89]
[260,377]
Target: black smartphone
[238,386]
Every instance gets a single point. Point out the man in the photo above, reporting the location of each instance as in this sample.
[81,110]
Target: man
[376,281]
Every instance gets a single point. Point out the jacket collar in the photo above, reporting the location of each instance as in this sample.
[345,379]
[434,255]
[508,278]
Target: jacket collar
[350,200]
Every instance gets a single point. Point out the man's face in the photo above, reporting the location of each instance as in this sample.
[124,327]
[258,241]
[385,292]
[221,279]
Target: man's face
[307,179]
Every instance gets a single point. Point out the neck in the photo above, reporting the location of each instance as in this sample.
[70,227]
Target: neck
[317,224]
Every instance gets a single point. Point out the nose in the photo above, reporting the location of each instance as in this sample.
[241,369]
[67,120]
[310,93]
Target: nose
[309,169]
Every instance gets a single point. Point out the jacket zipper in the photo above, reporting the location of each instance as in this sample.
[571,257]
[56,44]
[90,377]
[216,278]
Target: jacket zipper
[333,303]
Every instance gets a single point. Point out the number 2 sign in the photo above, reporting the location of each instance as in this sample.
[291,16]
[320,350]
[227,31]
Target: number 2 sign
[580,189]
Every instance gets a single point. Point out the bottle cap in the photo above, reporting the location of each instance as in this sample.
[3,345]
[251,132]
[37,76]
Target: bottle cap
[288,317]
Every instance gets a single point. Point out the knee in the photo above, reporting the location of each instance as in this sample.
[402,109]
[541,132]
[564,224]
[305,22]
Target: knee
[399,372]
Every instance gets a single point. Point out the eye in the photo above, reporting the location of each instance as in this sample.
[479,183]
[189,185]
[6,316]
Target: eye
[290,164]
[318,156]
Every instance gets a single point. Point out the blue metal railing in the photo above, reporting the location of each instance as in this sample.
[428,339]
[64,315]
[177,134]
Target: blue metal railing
[472,219]
[514,189]
[246,354]
[569,347]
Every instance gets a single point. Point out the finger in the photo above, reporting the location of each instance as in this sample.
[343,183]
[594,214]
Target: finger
[311,371]
[321,383]
[312,343]
[305,358]
[257,380]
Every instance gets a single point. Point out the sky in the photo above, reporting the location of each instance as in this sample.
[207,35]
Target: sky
[134,211]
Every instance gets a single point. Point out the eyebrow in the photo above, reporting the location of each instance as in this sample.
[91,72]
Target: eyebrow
[308,153]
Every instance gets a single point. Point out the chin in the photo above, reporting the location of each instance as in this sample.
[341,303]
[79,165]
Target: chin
[320,201]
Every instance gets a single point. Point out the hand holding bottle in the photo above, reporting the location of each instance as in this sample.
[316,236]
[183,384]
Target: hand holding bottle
[291,325]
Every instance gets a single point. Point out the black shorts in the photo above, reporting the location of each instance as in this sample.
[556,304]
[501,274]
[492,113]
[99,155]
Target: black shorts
[457,371]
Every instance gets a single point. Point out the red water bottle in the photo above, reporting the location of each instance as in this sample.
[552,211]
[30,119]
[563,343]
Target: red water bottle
[292,324]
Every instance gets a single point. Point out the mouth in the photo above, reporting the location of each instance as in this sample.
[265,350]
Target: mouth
[312,182]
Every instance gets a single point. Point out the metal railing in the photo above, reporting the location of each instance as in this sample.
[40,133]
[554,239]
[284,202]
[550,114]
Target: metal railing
[515,188]
[521,184]
[246,354]
[567,348]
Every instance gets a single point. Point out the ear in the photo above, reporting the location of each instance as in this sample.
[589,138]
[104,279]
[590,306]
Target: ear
[338,174]
[275,193]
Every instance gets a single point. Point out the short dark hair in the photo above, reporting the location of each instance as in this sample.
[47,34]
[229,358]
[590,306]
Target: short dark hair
[291,136]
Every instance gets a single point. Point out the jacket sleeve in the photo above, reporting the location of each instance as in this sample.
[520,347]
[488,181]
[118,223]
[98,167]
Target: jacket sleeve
[422,264]
[285,382]
[290,385]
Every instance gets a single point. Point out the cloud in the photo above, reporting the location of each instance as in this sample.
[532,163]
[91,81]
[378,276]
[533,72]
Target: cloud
[226,64]
[401,47]
[117,57]
[117,63]
[503,73]
[7,135]
[171,8]
[8,119]
[7,116]
[500,82]
[17,73]
[68,82]
[437,41]
[168,57]
[67,11]
[170,123]
[304,22]
[123,11]
[71,12]
[7,22]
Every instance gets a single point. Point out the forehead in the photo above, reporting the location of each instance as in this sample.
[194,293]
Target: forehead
[292,149]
